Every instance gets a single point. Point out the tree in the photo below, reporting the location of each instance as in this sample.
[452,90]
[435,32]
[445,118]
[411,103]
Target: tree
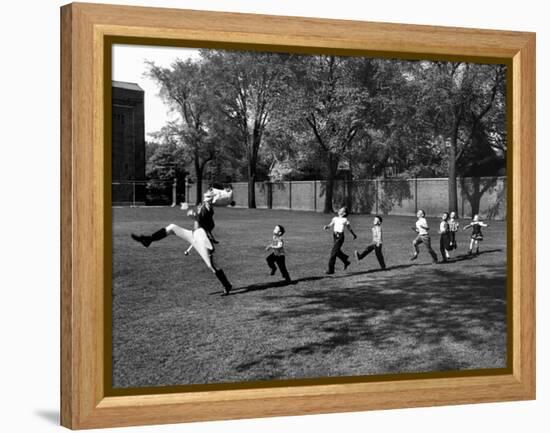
[458,96]
[248,88]
[183,87]
[166,161]
[328,101]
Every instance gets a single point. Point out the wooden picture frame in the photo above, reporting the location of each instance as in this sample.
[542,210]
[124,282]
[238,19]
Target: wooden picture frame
[86,30]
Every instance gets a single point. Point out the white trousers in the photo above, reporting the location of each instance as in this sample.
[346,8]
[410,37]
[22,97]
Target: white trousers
[198,240]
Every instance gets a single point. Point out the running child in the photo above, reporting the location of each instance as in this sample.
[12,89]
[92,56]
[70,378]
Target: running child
[338,224]
[445,237]
[277,256]
[477,235]
[453,227]
[376,244]
[422,237]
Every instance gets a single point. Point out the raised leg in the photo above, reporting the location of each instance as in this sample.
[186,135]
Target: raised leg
[147,240]
[366,252]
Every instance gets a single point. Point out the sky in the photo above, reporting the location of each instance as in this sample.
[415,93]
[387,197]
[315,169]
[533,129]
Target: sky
[129,66]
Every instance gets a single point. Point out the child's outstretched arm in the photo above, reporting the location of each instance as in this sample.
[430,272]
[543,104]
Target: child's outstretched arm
[351,231]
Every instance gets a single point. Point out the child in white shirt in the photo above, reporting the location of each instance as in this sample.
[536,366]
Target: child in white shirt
[338,224]
[421,228]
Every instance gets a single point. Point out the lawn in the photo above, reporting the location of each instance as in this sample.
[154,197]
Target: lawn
[172,327]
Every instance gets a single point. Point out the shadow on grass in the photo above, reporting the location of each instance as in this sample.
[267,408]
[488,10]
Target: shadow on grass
[467,256]
[402,314]
[268,285]
[281,283]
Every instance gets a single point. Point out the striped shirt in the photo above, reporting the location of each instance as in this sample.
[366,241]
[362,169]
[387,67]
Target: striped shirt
[453,225]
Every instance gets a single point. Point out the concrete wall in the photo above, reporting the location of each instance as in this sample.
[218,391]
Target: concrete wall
[486,196]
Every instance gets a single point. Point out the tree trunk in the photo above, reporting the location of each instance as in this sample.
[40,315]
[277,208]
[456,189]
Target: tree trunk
[251,191]
[349,191]
[332,165]
[198,177]
[453,194]
[252,161]
[251,184]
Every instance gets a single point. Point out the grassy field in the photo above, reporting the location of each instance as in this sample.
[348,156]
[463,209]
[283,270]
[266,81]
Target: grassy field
[172,327]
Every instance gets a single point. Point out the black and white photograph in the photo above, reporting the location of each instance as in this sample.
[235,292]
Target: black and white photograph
[284,216]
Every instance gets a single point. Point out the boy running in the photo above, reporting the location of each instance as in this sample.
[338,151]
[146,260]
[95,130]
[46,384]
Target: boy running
[376,244]
[338,224]
[277,256]
[422,237]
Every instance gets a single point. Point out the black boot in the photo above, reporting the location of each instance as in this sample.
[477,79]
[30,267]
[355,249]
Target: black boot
[158,235]
[143,240]
[225,283]
[146,240]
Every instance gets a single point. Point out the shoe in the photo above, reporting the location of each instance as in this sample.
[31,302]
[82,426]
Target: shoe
[346,265]
[414,257]
[143,240]
[329,272]
[227,287]
[356,254]
[272,272]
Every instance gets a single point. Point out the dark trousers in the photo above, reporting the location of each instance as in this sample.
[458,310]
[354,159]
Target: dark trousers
[337,251]
[377,250]
[280,261]
[424,239]
[444,245]
[452,240]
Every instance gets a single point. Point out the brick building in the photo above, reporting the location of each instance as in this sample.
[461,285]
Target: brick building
[128,144]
